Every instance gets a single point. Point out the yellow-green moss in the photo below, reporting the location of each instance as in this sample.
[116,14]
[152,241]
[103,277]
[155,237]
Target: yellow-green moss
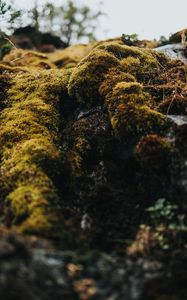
[88,75]
[22,58]
[113,77]
[29,137]
[82,145]
[70,56]
[131,82]
[134,121]
[74,161]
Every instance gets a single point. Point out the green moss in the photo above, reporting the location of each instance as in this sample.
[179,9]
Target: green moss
[110,80]
[29,137]
[8,69]
[22,58]
[70,56]
[136,56]
[134,121]
[74,161]
[131,82]
[82,145]
[88,75]
[31,207]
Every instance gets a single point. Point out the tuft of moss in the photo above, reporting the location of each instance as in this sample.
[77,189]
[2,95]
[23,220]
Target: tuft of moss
[88,75]
[136,121]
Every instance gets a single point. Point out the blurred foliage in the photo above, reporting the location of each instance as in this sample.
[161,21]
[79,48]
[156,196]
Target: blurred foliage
[8,17]
[163,41]
[162,211]
[70,21]
[130,39]
[168,223]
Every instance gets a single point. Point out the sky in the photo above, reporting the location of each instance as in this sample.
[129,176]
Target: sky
[148,18]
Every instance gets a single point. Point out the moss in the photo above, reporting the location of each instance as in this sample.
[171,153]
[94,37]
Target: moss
[88,75]
[4,85]
[75,163]
[177,37]
[70,56]
[82,145]
[174,105]
[110,80]
[111,151]
[131,63]
[153,154]
[30,158]
[131,82]
[5,68]
[134,121]
[136,56]
[22,58]
[129,88]
[153,151]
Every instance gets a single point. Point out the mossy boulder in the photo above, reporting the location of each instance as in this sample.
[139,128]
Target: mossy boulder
[89,133]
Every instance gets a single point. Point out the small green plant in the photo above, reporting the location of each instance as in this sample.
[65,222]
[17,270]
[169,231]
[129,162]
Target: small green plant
[167,223]
[162,211]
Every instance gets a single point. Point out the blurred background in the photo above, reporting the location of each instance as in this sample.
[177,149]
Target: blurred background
[61,23]
[149,19]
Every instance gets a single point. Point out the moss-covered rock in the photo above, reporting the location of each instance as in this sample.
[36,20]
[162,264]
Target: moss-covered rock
[31,159]
[131,82]
[98,118]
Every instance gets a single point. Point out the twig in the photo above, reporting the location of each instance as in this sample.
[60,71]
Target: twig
[7,39]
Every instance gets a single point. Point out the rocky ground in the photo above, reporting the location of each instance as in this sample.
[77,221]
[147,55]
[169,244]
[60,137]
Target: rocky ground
[93,173]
